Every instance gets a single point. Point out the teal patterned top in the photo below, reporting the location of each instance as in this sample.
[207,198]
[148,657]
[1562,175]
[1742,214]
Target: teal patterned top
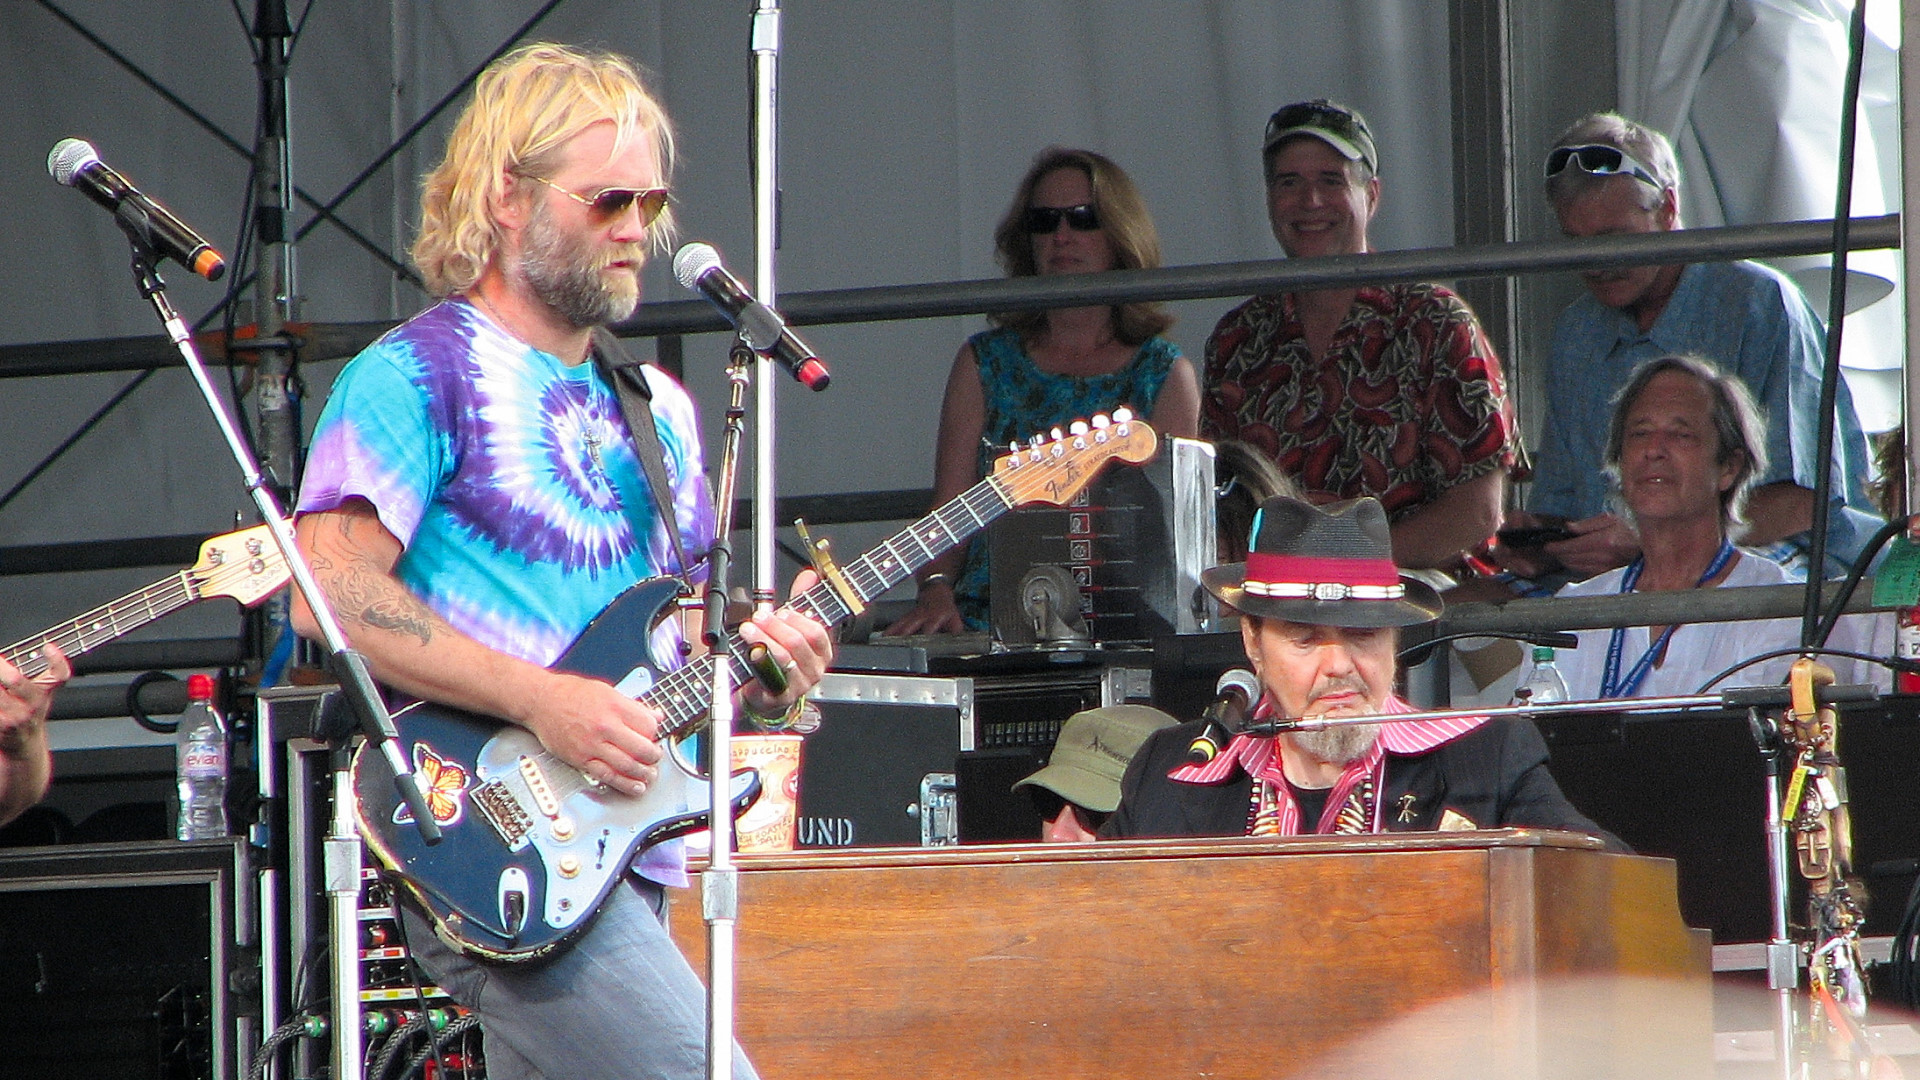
[1023,401]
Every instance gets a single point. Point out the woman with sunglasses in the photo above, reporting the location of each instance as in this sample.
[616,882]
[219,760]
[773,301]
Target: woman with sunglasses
[1075,212]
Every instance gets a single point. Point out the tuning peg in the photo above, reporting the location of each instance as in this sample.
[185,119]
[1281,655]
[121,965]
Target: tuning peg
[1035,442]
[1100,420]
[1057,435]
[1078,427]
[1122,414]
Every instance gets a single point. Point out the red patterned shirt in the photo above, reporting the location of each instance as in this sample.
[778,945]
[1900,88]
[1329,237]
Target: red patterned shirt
[1408,402]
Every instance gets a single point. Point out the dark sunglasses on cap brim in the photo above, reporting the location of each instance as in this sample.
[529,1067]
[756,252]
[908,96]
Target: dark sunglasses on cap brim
[1045,219]
[1598,160]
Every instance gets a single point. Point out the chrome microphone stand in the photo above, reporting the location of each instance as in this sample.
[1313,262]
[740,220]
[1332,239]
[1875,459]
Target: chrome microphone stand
[720,898]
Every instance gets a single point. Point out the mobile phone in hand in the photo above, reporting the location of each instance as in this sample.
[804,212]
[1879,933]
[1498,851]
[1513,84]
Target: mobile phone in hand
[1533,536]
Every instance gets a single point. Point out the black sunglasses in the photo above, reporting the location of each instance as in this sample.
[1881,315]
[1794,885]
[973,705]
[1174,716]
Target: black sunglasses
[610,203]
[1598,160]
[1047,803]
[1045,219]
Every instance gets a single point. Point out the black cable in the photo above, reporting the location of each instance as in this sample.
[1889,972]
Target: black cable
[270,1049]
[1836,319]
[442,1040]
[413,966]
[381,1063]
[1854,573]
[1891,664]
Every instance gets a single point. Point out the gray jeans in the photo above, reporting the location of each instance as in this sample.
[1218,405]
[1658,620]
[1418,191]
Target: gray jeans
[618,1002]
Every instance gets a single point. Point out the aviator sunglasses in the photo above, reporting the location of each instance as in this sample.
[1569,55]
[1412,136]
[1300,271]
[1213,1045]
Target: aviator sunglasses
[1599,161]
[610,203]
[1045,219]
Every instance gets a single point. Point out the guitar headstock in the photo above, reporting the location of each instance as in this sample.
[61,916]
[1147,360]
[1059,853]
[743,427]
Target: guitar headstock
[245,565]
[1054,471]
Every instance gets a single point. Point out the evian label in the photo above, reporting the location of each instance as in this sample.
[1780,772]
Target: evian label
[203,761]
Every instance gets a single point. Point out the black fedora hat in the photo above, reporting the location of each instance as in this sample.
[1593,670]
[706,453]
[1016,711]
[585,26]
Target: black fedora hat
[1324,565]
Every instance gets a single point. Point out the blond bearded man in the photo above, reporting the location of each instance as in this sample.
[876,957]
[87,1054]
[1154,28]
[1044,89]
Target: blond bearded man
[473,498]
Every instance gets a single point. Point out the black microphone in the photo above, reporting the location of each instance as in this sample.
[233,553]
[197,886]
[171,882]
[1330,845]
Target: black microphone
[75,164]
[1234,694]
[698,268]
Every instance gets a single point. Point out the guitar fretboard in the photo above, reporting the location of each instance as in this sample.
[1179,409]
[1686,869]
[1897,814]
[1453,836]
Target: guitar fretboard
[106,622]
[682,694]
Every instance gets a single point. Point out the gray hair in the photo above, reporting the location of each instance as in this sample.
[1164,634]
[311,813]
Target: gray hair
[1639,141]
[1736,420]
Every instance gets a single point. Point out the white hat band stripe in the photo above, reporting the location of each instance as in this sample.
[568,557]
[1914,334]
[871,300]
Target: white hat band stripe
[1325,590]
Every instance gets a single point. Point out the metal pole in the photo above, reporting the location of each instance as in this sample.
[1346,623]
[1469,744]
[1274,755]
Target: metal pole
[273,280]
[1910,231]
[766,239]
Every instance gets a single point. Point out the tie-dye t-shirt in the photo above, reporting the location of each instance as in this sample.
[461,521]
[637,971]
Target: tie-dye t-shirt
[509,479]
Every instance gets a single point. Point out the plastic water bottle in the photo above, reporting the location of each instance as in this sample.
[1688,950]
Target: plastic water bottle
[1544,683]
[201,764]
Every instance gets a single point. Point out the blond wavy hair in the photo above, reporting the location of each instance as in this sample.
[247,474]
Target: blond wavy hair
[525,107]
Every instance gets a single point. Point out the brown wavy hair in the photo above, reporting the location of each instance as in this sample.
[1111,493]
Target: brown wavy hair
[525,107]
[1124,218]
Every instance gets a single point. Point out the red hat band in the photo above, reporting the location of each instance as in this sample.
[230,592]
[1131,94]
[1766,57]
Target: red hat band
[1301,577]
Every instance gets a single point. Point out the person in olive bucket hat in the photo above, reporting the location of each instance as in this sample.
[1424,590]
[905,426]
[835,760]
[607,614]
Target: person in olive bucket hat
[1321,601]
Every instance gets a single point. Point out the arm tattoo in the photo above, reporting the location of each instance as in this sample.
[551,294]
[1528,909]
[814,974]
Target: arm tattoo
[372,597]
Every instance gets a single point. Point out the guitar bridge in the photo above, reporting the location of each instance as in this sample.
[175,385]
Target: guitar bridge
[502,811]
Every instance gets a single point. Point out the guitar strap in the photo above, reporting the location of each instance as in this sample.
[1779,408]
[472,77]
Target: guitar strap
[629,383]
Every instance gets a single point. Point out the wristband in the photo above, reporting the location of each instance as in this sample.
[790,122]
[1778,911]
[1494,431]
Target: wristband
[936,579]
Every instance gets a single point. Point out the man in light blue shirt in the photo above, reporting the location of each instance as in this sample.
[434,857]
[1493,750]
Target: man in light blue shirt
[1607,176]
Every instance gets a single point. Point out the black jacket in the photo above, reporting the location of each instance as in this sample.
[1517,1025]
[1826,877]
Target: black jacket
[1494,776]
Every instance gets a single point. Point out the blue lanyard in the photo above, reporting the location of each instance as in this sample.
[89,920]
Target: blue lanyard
[1611,684]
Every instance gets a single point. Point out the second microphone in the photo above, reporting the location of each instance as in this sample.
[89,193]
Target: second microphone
[698,267]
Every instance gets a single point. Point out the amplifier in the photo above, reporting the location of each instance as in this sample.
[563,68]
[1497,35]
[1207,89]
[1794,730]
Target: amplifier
[115,960]
[879,771]
[1132,543]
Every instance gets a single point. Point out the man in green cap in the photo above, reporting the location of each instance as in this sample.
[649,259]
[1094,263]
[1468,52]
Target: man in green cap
[1080,784]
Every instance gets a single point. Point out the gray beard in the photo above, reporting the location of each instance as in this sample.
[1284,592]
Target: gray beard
[1339,745]
[567,278]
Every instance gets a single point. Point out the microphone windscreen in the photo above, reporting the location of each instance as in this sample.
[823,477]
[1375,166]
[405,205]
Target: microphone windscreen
[69,156]
[1240,678]
[693,260]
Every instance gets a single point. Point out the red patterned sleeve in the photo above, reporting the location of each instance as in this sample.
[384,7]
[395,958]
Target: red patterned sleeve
[1470,429]
[1221,394]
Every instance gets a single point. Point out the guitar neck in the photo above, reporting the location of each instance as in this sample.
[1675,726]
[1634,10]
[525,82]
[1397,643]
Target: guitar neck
[682,694]
[106,622]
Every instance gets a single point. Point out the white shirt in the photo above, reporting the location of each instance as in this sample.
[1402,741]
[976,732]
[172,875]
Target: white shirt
[1698,651]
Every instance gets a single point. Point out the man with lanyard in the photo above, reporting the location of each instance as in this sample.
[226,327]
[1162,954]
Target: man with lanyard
[473,498]
[1684,446]
[1610,176]
[1321,602]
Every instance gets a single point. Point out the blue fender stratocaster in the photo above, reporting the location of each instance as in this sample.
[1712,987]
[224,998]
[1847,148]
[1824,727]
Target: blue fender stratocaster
[531,846]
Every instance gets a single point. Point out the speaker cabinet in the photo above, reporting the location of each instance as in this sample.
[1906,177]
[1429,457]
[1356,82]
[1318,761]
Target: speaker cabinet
[114,960]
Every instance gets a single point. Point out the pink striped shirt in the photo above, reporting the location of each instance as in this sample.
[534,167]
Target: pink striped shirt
[1259,757]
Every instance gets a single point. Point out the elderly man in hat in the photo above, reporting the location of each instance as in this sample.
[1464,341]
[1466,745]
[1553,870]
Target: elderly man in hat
[1080,786]
[1391,391]
[1321,600]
